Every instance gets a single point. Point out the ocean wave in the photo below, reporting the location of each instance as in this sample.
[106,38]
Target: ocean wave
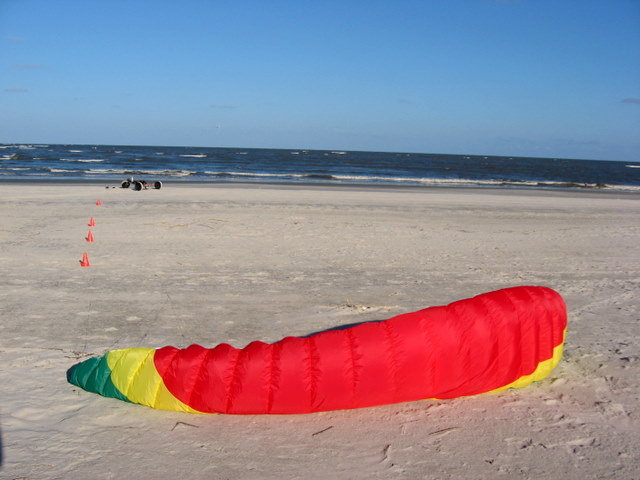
[623,188]
[74,160]
[130,172]
[111,171]
[30,174]
[319,176]
[23,146]
[416,180]
[199,155]
[250,174]
[431,181]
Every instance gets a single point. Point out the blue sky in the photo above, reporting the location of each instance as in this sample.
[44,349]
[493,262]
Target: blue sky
[546,78]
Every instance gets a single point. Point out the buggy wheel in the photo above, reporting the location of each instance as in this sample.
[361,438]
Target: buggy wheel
[137,186]
[157,185]
[126,184]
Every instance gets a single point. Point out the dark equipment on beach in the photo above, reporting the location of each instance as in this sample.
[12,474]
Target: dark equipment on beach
[141,184]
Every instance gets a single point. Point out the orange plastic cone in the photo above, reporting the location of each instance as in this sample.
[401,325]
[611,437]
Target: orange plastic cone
[90,236]
[85,261]
[98,203]
[92,222]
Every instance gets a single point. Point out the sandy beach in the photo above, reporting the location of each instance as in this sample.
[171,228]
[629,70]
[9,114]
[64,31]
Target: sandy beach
[234,263]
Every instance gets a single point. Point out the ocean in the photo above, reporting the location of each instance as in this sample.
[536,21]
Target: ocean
[114,163]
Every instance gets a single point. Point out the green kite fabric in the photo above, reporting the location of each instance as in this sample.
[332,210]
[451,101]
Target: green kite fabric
[494,341]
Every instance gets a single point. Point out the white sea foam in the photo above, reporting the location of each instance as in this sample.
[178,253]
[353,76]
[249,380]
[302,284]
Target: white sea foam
[24,147]
[249,174]
[199,155]
[138,173]
[420,180]
[101,171]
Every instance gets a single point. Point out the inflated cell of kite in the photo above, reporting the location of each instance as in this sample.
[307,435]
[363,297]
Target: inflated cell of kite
[494,341]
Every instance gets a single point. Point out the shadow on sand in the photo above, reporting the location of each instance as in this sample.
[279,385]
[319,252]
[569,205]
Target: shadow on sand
[340,327]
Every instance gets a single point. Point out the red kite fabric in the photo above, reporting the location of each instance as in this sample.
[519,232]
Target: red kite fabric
[503,339]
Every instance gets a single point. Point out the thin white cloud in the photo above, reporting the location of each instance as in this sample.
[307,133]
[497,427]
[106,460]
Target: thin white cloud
[16,90]
[631,100]
[13,38]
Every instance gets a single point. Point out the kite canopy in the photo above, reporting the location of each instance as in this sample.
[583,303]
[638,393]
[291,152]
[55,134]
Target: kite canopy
[498,340]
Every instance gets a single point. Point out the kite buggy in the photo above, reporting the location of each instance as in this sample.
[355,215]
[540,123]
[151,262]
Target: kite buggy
[140,184]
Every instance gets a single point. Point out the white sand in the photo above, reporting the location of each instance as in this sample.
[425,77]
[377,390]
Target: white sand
[207,264]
